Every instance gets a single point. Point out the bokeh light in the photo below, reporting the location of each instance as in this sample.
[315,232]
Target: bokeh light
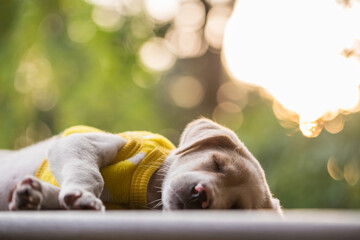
[334,126]
[334,170]
[186,91]
[155,55]
[162,11]
[106,18]
[186,37]
[230,92]
[351,172]
[186,44]
[228,114]
[34,79]
[191,15]
[33,133]
[215,25]
[215,2]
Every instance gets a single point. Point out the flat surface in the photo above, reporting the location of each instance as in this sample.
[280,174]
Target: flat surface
[298,224]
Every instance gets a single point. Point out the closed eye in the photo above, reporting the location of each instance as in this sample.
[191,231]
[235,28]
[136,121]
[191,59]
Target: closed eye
[217,166]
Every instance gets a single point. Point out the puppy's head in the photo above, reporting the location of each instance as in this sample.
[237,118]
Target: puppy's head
[212,169]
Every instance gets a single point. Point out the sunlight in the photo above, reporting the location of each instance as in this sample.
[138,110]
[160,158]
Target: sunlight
[299,52]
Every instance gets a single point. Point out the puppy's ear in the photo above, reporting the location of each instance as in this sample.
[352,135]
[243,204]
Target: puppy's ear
[206,132]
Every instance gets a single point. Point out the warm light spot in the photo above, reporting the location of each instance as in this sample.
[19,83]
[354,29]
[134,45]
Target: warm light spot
[34,71]
[81,31]
[215,2]
[351,172]
[215,25]
[335,126]
[155,55]
[186,37]
[191,15]
[45,98]
[228,114]
[297,60]
[108,19]
[284,114]
[230,92]
[186,44]
[186,92]
[334,170]
[162,11]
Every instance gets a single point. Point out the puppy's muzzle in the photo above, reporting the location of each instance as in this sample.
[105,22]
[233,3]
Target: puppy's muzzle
[196,197]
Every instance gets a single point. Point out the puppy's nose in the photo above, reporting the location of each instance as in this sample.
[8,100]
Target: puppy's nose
[199,198]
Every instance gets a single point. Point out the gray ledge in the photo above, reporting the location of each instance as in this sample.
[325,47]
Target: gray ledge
[184,225]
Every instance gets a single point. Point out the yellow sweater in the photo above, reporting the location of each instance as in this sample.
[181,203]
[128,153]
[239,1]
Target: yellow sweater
[127,178]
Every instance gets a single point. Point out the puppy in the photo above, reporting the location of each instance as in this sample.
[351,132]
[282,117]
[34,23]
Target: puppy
[85,168]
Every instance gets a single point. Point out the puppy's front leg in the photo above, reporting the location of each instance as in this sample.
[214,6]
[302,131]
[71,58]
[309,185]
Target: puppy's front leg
[75,161]
[32,194]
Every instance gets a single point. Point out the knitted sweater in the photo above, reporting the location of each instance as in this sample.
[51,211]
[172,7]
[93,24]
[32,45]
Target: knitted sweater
[127,178]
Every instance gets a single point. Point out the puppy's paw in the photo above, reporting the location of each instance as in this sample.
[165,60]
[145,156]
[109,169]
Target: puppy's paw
[26,195]
[76,199]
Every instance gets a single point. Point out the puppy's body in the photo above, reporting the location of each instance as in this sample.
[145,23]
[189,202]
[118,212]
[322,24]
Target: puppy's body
[211,169]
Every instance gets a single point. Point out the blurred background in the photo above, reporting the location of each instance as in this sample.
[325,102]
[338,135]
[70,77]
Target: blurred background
[284,75]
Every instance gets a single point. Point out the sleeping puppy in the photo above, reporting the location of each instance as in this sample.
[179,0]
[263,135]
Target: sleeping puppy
[91,169]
